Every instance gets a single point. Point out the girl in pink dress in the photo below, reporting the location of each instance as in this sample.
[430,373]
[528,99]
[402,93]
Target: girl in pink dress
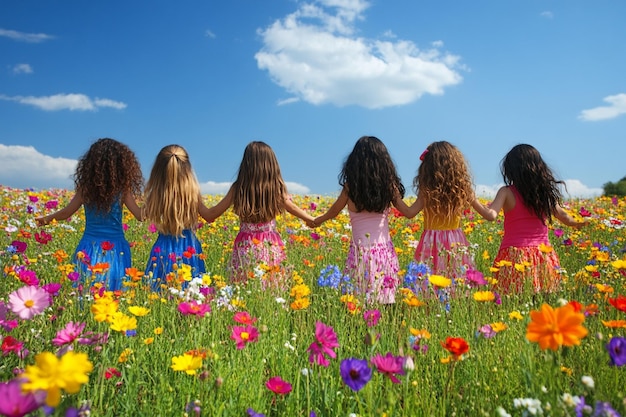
[530,198]
[370,186]
[444,191]
[257,196]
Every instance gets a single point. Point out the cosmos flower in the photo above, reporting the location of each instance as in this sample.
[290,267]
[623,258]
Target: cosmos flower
[242,335]
[617,351]
[355,373]
[371,317]
[15,403]
[28,301]
[325,342]
[194,308]
[389,365]
[553,328]
[67,335]
[278,386]
[52,374]
[244,317]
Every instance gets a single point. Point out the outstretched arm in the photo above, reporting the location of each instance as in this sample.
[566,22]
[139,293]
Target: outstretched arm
[64,213]
[335,209]
[409,211]
[131,204]
[292,208]
[504,199]
[564,217]
[485,212]
[210,214]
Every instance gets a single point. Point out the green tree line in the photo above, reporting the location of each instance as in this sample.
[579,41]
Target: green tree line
[615,188]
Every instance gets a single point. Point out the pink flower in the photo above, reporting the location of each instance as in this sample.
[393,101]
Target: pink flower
[389,365]
[558,232]
[15,403]
[371,317]
[28,277]
[7,325]
[475,278]
[193,308]
[326,341]
[71,332]
[20,247]
[243,335]
[278,386]
[244,317]
[152,228]
[28,301]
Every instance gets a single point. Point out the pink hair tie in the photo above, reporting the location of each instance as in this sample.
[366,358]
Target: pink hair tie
[423,155]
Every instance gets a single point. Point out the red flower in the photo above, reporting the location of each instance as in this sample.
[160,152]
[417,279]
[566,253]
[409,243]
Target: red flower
[43,237]
[457,346]
[106,245]
[619,303]
[11,344]
[278,386]
[584,212]
[112,372]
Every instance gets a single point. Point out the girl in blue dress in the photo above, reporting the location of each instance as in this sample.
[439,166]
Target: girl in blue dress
[107,177]
[173,204]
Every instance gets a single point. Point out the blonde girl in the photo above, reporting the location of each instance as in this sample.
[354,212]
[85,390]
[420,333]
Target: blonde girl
[257,196]
[173,204]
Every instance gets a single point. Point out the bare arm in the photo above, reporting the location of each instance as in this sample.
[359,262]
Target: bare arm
[64,213]
[335,209]
[292,208]
[487,213]
[566,219]
[416,207]
[504,199]
[210,214]
[131,204]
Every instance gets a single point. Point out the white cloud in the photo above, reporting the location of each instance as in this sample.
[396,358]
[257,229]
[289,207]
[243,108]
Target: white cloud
[209,34]
[315,55]
[288,101]
[65,102]
[25,37]
[221,188]
[25,167]
[22,69]
[617,107]
[575,189]
[547,14]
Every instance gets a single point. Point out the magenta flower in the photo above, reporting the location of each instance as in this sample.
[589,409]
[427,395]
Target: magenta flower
[7,325]
[278,386]
[194,308]
[71,332]
[14,403]
[28,301]
[243,335]
[389,365]
[475,278]
[73,276]
[371,317]
[28,277]
[326,341]
[19,246]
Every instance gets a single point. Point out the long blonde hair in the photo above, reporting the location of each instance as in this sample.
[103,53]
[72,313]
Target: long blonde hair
[172,193]
[444,179]
[259,191]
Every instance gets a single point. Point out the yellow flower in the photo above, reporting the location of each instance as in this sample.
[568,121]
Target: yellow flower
[504,262]
[187,363]
[439,281]
[604,288]
[486,255]
[300,303]
[158,330]
[545,248]
[499,326]
[125,355]
[553,328]
[148,340]
[53,374]
[184,272]
[121,322]
[484,296]
[566,370]
[421,333]
[138,311]
[619,264]
[299,291]
[206,279]
[515,315]
[103,310]
[520,267]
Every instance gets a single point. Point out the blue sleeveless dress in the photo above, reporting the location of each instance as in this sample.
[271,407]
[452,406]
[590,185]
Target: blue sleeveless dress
[103,253]
[169,250]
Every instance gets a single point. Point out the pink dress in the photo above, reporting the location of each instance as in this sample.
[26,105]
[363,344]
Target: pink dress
[256,244]
[525,256]
[444,247]
[372,262]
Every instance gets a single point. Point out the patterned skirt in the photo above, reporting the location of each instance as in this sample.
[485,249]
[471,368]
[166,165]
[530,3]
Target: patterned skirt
[446,252]
[526,267]
[373,271]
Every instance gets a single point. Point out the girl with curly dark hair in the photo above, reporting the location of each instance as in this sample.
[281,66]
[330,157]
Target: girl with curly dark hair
[107,177]
[530,199]
[370,186]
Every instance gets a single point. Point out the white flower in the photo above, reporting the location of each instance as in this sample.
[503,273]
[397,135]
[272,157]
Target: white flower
[280,300]
[502,412]
[588,382]
[289,346]
[570,400]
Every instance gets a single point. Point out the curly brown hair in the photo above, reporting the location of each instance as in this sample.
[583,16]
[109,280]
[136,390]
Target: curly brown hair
[259,190]
[524,168]
[444,180]
[107,171]
[370,176]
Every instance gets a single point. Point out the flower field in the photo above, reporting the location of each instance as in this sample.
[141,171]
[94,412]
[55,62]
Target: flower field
[309,347]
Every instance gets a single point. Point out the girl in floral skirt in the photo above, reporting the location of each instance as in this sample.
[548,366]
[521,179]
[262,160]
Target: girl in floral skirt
[370,186]
[530,198]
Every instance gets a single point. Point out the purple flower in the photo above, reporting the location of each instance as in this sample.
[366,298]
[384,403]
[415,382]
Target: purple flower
[604,409]
[371,317]
[355,373]
[19,246]
[14,403]
[253,413]
[617,351]
[487,331]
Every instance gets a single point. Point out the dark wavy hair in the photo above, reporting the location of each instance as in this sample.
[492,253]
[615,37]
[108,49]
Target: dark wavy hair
[524,168]
[106,172]
[370,176]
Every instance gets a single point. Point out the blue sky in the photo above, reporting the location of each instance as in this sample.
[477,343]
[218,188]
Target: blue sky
[309,78]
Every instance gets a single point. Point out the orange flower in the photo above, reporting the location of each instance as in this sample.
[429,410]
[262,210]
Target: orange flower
[134,274]
[99,268]
[457,346]
[553,328]
[615,323]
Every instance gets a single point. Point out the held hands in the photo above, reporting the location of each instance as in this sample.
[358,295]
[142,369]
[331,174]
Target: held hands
[314,223]
[42,221]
